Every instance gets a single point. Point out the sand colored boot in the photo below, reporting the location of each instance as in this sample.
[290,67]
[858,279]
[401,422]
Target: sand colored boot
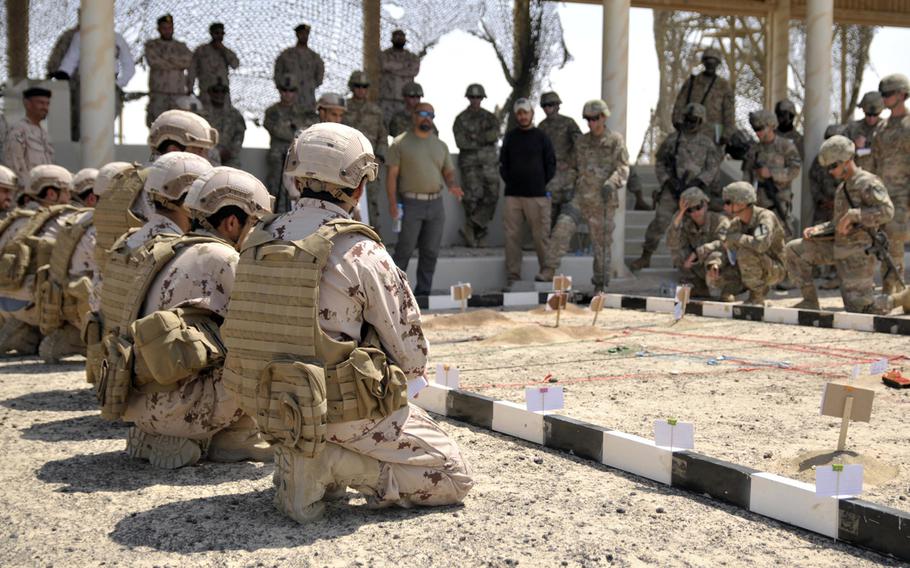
[165,452]
[61,343]
[545,275]
[810,298]
[902,299]
[757,296]
[239,442]
[644,261]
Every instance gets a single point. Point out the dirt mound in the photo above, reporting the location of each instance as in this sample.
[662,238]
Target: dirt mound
[539,333]
[467,319]
[875,472]
[572,309]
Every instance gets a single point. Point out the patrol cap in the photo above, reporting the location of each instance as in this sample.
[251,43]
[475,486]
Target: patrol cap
[595,106]
[170,176]
[785,105]
[108,174]
[475,90]
[358,78]
[550,98]
[760,119]
[167,18]
[834,129]
[224,186]
[412,89]
[740,192]
[694,195]
[711,53]
[397,32]
[837,149]
[331,100]
[872,103]
[8,179]
[302,27]
[48,175]
[695,110]
[84,180]
[35,92]
[332,153]
[287,82]
[216,26]
[183,127]
[892,83]
[522,104]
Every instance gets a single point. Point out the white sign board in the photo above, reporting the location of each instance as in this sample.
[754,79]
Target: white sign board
[672,434]
[839,480]
[540,399]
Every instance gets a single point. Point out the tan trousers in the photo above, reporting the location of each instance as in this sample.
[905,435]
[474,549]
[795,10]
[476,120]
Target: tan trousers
[518,211]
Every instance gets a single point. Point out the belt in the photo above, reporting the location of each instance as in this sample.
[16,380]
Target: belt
[422,196]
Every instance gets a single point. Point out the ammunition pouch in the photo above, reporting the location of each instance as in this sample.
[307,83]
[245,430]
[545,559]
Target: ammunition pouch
[365,386]
[291,405]
[94,350]
[14,262]
[112,387]
[49,300]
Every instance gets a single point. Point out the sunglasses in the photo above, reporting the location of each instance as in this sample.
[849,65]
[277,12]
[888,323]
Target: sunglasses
[360,85]
[728,202]
[545,105]
[695,208]
[834,166]
[591,118]
[426,114]
[474,98]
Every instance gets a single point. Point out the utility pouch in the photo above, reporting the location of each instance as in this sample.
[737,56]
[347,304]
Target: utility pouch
[291,405]
[94,350]
[366,377]
[49,302]
[13,264]
[115,376]
[170,349]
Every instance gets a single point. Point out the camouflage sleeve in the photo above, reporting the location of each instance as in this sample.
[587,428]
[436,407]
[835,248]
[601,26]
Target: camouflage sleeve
[749,164]
[761,238]
[194,71]
[382,147]
[239,133]
[318,70]
[878,159]
[675,244]
[271,123]
[462,136]
[711,167]
[491,130]
[679,106]
[729,113]
[231,58]
[816,181]
[14,155]
[620,175]
[792,164]
[662,165]
[877,207]
[280,67]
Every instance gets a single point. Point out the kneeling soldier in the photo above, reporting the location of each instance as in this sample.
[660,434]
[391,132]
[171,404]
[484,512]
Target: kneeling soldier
[329,385]
[861,208]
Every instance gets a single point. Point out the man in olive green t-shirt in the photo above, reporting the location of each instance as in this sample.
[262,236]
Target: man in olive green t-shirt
[419,163]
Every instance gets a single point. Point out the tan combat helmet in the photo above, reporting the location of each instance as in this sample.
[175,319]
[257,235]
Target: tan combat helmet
[8,179]
[550,98]
[184,128]
[412,89]
[740,192]
[171,175]
[328,157]
[595,106]
[358,79]
[836,150]
[694,196]
[84,180]
[895,82]
[872,103]
[475,90]
[331,100]
[48,175]
[222,187]
[108,174]
[711,53]
[761,119]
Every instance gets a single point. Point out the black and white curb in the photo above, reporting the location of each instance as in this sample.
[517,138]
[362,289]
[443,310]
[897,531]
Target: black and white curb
[789,316]
[882,529]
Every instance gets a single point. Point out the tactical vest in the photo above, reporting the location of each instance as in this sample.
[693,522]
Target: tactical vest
[127,278]
[26,252]
[113,214]
[281,366]
[60,300]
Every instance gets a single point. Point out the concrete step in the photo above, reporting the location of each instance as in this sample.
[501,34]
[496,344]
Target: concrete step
[663,261]
[635,247]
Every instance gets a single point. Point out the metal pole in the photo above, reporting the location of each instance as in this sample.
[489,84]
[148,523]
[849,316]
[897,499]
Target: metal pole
[779,51]
[97,90]
[817,108]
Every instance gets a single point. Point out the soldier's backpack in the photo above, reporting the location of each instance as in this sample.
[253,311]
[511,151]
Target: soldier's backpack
[281,367]
[26,252]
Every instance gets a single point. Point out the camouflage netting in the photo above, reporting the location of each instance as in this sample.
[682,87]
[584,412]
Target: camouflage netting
[257,30]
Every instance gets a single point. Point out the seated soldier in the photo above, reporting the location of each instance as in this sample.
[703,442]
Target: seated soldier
[861,208]
[754,243]
[344,336]
[182,410]
[8,188]
[693,227]
[83,183]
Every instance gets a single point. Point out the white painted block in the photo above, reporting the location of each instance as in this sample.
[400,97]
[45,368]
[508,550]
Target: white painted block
[520,299]
[858,322]
[661,305]
[793,502]
[443,303]
[717,310]
[433,398]
[781,315]
[511,418]
[637,455]
[613,301]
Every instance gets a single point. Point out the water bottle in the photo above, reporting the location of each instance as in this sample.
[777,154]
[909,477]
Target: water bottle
[397,228]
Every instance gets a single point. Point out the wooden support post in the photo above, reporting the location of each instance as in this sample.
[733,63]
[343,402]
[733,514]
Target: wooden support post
[371,16]
[17,39]
[845,423]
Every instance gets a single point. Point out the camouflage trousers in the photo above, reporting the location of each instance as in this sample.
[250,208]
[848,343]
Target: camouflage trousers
[665,208]
[199,408]
[785,197]
[480,183]
[274,163]
[158,103]
[418,463]
[898,231]
[759,271]
[728,280]
[855,268]
[600,217]
[561,188]
[375,202]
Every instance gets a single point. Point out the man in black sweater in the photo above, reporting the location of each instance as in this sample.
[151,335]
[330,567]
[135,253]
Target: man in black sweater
[527,162]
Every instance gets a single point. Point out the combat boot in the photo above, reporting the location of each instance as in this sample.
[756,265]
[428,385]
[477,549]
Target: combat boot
[757,297]
[165,452]
[239,442]
[902,299]
[61,343]
[810,298]
[545,275]
[727,297]
[643,262]
[640,203]
[467,233]
[700,290]
[20,337]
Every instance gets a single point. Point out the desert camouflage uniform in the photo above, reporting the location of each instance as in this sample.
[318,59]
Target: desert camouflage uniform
[891,158]
[795,137]
[398,67]
[781,157]
[210,65]
[821,187]
[4,133]
[27,145]
[687,238]
[697,164]
[200,276]
[476,134]
[307,66]
[848,252]
[231,131]
[757,250]
[360,284]
[718,103]
[367,118]
[157,224]
[859,128]
[168,61]
[601,167]
[283,122]
[563,132]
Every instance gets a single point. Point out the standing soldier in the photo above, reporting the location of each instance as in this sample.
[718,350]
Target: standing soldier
[398,67]
[303,63]
[168,60]
[563,132]
[861,208]
[601,171]
[891,162]
[785,111]
[864,130]
[403,120]
[367,117]
[712,92]
[210,64]
[771,166]
[27,144]
[283,120]
[476,133]
[229,123]
[685,159]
